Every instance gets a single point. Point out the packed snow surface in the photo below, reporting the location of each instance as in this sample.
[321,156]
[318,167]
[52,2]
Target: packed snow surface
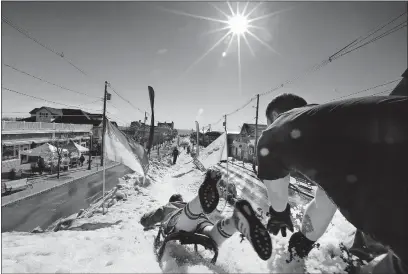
[116,242]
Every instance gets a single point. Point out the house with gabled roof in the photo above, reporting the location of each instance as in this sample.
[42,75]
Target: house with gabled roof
[64,116]
[244,144]
[45,114]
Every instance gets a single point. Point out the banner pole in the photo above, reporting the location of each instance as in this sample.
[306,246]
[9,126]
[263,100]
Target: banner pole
[226,143]
[198,141]
[104,175]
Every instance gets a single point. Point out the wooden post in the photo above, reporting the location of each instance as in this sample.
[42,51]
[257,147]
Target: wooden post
[256,134]
[198,147]
[104,122]
[90,153]
[203,138]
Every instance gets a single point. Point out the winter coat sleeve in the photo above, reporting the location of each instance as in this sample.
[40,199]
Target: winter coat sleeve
[153,217]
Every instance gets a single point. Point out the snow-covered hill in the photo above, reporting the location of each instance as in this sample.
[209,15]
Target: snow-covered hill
[116,243]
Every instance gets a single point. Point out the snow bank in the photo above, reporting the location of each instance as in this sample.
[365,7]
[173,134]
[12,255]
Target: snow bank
[116,242]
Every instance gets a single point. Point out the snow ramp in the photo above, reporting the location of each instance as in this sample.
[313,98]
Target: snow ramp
[116,242]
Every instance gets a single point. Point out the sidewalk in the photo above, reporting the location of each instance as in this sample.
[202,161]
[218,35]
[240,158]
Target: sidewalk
[50,181]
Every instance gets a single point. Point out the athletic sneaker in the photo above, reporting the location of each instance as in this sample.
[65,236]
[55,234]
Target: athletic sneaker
[247,222]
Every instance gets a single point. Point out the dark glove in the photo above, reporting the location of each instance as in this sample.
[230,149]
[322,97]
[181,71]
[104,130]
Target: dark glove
[299,245]
[279,221]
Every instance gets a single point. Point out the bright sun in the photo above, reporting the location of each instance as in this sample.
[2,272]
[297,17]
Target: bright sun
[238,24]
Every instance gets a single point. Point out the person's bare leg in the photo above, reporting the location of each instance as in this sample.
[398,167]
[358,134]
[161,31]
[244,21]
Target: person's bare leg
[243,220]
[190,216]
[205,202]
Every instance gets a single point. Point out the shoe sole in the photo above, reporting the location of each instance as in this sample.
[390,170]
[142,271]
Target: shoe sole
[259,236]
[209,196]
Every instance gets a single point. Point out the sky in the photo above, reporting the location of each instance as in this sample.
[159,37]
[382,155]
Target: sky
[133,45]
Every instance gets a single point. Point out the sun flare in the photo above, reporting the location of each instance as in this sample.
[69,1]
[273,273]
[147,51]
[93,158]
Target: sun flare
[238,27]
[238,24]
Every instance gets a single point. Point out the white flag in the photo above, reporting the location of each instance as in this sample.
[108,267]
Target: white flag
[121,149]
[215,152]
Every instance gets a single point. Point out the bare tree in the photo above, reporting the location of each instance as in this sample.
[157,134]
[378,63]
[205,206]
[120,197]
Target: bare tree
[58,142]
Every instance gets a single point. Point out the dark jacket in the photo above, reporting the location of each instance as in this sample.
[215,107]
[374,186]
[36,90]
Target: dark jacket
[41,163]
[161,215]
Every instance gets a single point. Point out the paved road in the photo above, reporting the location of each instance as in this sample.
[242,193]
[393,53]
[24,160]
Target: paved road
[45,182]
[44,209]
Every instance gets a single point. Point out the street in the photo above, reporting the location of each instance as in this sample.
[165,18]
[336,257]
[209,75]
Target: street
[44,209]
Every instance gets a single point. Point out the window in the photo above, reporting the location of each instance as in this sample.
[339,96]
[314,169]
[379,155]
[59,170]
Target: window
[24,158]
[43,115]
[7,152]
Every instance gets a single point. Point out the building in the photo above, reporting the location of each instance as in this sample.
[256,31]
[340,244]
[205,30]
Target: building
[69,116]
[64,116]
[244,145]
[45,114]
[231,137]
[402,88]
[167,125]
[211,136]
[141,132]
[20,135]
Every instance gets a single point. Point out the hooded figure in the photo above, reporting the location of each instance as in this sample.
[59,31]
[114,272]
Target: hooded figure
[175,154]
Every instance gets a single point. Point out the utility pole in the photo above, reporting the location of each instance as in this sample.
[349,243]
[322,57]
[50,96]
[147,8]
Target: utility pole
[90,152]
[203,137]
[198,139]
[256,134]
[143,128]
[104,122]
[226,136]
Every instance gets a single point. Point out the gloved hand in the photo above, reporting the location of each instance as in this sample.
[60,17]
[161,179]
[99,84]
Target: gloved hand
[279,221]
[299,246]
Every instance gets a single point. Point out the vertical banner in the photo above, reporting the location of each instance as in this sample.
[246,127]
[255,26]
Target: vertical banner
[120,148]
[214,153]
[151,96]
[198,132]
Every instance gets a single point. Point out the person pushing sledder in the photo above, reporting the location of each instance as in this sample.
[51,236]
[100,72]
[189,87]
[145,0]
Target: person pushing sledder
[178,215]
[355,151]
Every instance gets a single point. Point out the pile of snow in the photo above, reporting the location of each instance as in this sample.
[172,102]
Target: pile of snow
[116,242]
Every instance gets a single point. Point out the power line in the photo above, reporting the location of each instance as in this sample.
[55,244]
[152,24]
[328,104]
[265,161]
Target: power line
[45,81]
[242,107]
[390,31]
[336,55]
[25,33]
[110,86]
[91,102]
[361,91]
[38,98]
[116,118]
[371,32]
